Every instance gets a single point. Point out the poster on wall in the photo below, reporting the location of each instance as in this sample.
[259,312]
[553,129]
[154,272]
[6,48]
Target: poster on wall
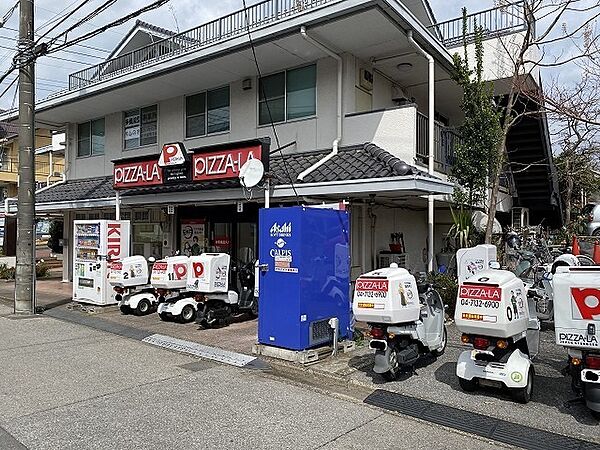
[192,237]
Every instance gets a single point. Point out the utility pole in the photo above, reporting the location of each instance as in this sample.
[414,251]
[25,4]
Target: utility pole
[25,270]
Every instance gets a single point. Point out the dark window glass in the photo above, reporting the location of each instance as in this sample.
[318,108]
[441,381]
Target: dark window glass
[83,139]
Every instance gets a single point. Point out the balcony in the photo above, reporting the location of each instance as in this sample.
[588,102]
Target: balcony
[496,22]
[403,132]
[445,140]
[42,168]
[232,25]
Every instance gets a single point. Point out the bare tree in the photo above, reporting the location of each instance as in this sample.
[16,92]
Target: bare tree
[531,54]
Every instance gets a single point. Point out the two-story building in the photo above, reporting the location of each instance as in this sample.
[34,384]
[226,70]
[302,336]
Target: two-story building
[335,96]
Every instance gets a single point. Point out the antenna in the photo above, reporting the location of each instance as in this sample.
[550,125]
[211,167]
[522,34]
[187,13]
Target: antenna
[174,17]
[251,173]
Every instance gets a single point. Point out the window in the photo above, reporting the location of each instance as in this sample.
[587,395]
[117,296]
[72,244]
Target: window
[90,138]
[140,126]
[207,112]
[288,95]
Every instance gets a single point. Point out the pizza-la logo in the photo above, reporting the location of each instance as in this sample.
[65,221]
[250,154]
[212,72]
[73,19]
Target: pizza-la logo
[586,303]
[172,155]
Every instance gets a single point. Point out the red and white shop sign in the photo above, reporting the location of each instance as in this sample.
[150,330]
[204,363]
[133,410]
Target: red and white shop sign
[372,285]
[222,164]
[171,155]
[143,173]
[480,292]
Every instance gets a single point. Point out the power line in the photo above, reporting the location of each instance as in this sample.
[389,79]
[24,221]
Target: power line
[80,45]
[55,18]
[151,6]
[8,87]
[285,167]
[9,13]
[73,52]
[56,57]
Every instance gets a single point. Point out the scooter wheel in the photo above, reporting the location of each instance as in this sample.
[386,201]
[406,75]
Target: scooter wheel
[125,309]
[523,395]
[164,317]
[467,385]
[392,374]
[143,308]
[188,314]
[440,351]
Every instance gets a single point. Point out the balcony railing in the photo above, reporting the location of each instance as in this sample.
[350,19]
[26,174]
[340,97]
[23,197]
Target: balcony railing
[42,168]
[226,27]
[445,141]
[496,22]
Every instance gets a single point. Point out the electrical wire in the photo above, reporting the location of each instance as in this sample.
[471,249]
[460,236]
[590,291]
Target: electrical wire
[62,20]
[285,167]
[9,13]
[91,47]
[150,7]
[94,13]
[73,52]
[8,87]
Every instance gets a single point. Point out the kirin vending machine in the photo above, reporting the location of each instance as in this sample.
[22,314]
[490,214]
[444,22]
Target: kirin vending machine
[304,276]
[96,244]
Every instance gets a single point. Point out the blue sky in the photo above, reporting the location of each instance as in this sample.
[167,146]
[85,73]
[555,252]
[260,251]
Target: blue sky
[52,73]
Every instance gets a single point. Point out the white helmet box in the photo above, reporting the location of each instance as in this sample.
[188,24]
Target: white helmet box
[130,271]
[492,303]
[577,306]
[209,273]
[386,296]
[170,273]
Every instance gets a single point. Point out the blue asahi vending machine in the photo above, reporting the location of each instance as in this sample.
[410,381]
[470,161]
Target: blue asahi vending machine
[304,255]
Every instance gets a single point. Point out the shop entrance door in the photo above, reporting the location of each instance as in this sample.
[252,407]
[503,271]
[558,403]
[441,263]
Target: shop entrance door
[246,241]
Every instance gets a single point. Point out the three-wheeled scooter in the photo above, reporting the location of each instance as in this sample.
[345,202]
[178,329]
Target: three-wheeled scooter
[129,279]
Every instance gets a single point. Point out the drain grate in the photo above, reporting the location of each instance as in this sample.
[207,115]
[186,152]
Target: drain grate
[478,424]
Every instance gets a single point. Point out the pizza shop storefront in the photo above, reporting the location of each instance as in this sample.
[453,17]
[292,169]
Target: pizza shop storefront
[196,198]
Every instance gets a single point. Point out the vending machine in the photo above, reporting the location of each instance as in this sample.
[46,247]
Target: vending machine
[96,244]
[304,276]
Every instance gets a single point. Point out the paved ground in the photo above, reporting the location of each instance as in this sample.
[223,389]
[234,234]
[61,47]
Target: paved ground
[435,379]
[64,386]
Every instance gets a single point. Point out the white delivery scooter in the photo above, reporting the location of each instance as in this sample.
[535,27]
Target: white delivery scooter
[208,288]
[406,319]
[169,277]
[129,279]
[577,327]
[493,313]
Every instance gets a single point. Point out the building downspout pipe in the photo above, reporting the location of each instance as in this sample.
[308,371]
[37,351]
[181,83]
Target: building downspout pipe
[431,144]
[338,139]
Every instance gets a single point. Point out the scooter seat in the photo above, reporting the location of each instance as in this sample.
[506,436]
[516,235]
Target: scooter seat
[423,287]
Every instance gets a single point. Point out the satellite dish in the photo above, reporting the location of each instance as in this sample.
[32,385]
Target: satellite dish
[251,173]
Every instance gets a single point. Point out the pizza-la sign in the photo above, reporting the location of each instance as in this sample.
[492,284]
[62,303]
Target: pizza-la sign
[224,162]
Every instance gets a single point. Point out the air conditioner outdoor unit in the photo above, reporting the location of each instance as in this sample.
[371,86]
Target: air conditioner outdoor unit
[520,218]
[366,80]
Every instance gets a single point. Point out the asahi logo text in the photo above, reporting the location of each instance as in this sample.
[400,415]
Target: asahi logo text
[283,230]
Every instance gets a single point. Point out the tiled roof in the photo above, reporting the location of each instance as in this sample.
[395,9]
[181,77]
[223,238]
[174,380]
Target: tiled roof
[351,163]
[82,189]
[8,130]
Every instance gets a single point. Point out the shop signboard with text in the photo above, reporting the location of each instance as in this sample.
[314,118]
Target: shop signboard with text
[176,165]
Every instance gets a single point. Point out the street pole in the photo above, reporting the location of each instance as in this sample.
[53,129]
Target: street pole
[25,269]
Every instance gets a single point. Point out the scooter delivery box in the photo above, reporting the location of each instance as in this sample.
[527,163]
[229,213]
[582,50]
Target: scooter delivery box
[130,271]
[170,273]
[209,273]
[470,261]
[577,306]
[492,303]
[386,296]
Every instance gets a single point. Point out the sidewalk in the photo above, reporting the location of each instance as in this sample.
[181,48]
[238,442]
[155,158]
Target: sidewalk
[49,291]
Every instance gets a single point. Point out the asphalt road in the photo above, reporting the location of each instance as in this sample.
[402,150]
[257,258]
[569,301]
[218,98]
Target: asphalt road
[64,386]
[549,409]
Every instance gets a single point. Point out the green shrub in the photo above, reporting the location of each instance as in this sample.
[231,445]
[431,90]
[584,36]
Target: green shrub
[41,269]
[447,287]
[6,272]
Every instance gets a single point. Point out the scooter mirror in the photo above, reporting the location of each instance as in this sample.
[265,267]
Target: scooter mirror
[151,259]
